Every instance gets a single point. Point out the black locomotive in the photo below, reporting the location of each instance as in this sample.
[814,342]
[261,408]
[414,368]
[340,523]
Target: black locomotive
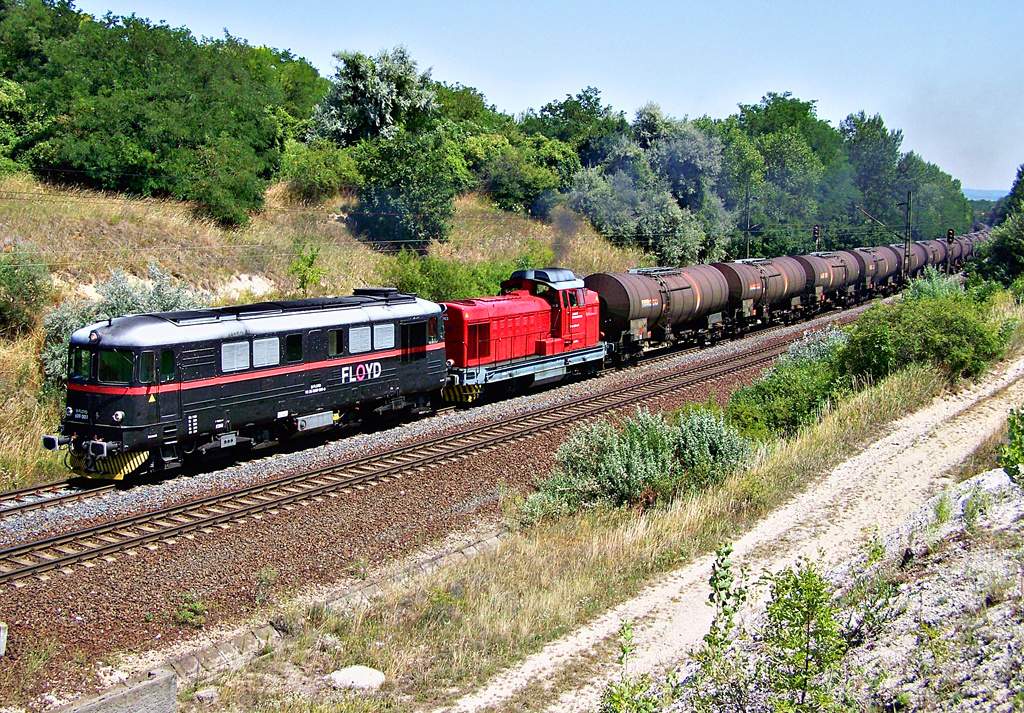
[144,390]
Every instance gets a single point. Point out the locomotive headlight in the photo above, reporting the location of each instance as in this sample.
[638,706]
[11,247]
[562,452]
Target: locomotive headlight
[94,337]
[69,411]
[118,416]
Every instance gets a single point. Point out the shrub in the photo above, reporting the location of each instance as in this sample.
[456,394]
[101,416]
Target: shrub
[24,288]
[648,459]
[439,279]
[954,333]
[118,296]
[318,169]
[802,636]
[1011,453]
[793,392]
[708,448]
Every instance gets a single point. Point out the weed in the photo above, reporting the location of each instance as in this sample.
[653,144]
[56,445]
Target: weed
[977,503]
[191,612]
[802,636]
[942,509]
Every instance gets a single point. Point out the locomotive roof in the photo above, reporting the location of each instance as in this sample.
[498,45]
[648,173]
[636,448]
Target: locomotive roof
[263,318]
[558,278]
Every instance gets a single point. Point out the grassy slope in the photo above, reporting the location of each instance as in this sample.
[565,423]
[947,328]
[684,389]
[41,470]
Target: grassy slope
[82,235]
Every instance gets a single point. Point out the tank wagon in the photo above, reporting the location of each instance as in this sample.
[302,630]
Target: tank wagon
[145,391]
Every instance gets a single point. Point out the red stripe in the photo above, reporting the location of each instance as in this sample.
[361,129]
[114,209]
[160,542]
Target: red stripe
[245,375]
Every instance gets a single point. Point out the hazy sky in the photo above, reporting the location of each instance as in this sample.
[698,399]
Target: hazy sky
[949,74]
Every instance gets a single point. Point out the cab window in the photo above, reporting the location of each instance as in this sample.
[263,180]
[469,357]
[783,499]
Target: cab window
[147,367]
[79,363]
[114,367]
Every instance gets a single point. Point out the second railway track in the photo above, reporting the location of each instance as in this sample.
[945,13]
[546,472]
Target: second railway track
[62,552]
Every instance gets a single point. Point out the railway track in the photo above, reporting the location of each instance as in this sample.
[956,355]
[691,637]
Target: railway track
[38,497]
[61,553]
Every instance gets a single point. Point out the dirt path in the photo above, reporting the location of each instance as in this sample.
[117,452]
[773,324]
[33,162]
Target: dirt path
[870,493]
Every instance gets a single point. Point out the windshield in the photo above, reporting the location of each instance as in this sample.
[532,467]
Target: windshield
[79,361]
[115,367]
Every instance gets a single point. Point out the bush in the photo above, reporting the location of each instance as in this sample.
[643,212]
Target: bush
[407,196]
[793,392]
[317,170]
[1011,453]
[437,279]
[24,288]
[954,333]
[707,449]
[647,460]
[118,296]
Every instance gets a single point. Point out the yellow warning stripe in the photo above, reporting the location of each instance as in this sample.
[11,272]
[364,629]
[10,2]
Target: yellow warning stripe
[461,394]
[110,468]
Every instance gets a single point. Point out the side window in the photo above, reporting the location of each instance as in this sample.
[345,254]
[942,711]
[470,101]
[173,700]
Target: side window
[147,368]
[434,330]
[234,356]
[79,363]
[167,365]
[414,341]
[293,347]
[335,342]
[383,336]
[358,340]
[266,352]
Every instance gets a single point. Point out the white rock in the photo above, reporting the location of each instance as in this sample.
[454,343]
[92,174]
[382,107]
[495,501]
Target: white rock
[361,677]
[206,695]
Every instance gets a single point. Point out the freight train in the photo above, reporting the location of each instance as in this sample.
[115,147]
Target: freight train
[147,391]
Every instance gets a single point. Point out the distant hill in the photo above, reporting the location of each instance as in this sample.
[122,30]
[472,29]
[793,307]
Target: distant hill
[974,194]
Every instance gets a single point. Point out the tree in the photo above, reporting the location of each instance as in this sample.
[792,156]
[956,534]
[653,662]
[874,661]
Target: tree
[127,105]
[1012,203]
[580,121]
[874,153]
[373,97]
[644,216]
[409,186]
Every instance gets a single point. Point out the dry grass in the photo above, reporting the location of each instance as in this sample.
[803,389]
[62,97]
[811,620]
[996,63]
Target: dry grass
[451,632]
[26,413]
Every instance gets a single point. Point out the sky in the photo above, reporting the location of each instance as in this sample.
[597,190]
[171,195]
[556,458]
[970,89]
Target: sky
[949,74]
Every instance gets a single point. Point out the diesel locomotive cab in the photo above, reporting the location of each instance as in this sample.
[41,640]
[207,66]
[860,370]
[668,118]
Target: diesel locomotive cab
[112,411]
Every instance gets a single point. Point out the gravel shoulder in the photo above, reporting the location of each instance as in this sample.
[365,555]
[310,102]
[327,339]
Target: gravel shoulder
[868,495]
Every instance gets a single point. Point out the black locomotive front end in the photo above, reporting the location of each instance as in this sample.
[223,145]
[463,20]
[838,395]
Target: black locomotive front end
[112,412]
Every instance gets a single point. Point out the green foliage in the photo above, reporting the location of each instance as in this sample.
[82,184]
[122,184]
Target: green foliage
[638,215]
[728,594]
[437,279]
[802,638]
[646,460]
[317,170]
[793,392]
[1002,255]
[407,197]
[24,289]
[955,333]
[1011,453]
[373,97]
[191,612]
[933,285]
[123,104]
[580,121]
[304,268]
[707,449]
[118,296]
[1012,203]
